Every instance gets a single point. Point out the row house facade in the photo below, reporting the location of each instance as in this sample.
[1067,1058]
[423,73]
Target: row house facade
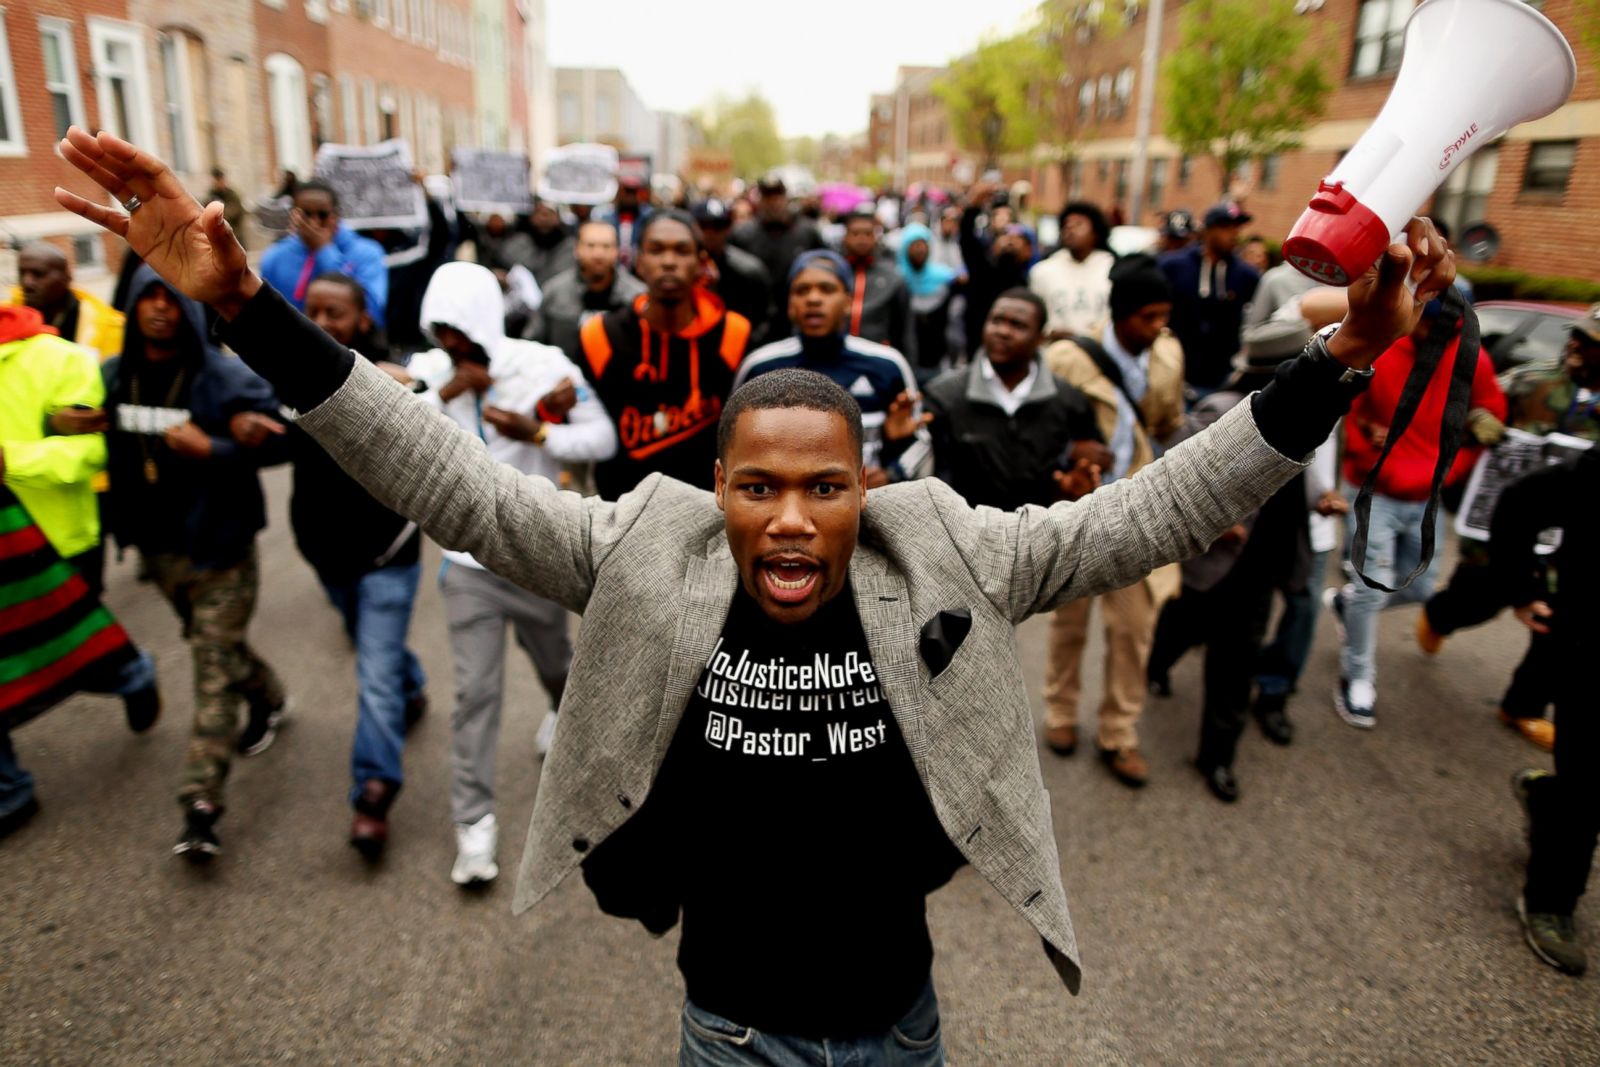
[250,86]
[1538,186]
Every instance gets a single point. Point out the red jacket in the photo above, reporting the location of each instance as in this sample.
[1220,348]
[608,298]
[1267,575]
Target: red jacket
[1408,472]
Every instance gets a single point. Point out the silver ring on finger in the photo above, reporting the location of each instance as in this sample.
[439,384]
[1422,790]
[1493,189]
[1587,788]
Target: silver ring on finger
[132,204]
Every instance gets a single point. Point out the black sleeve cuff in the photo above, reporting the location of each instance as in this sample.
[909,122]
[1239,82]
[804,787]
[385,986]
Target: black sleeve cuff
[304,365]
[1299,408]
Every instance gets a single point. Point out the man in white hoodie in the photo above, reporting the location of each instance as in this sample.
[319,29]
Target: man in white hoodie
[528,404]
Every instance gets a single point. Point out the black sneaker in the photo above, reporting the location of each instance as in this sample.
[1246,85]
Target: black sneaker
[416,708]
[14,820]
[1273,719]
[143,708]
[198,843]
[262,728]
[1553,938]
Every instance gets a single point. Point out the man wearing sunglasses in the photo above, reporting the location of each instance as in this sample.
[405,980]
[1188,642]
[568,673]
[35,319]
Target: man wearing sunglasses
[316,244]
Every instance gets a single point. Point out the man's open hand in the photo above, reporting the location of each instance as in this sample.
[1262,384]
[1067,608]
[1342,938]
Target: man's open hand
[902,420]
[192,248]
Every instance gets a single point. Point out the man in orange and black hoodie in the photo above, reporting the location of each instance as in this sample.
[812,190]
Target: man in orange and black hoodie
[663,366]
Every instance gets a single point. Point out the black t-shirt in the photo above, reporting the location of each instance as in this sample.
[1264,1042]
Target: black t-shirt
[803,840]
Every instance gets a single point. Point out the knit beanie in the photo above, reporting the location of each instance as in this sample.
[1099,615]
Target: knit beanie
[1136,282]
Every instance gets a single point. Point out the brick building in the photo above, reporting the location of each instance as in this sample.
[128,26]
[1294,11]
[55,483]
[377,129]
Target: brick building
[252,86]
[908,131]
[1539,186]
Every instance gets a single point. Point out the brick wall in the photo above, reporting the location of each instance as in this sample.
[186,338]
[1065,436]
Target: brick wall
[1542,233]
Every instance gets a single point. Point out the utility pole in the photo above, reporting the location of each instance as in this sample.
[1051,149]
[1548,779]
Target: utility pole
[1147,103]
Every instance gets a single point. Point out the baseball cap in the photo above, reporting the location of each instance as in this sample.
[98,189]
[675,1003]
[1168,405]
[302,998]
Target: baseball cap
[1227,213]
[1588,323]
[772,183]
[713,213]
[1178,225]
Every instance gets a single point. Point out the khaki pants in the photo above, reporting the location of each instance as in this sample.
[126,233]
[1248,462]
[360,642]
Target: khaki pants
[1130,620]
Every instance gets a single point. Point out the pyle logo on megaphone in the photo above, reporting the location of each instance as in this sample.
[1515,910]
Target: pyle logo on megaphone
[1457,145]
[1520,68]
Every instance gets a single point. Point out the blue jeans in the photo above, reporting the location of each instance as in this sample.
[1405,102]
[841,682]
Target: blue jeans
[1394,548]
[377,613]
[16,784]
[1280,663]
[711,1041]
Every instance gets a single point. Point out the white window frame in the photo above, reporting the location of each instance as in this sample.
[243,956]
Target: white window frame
[16,144]
[142,117]
[290,108]
[380,13]
[339,7]
[369,111]
[178,112]
[316,10]
[72,87]
[399,21]
[277,4]
[430,23]
[349,112]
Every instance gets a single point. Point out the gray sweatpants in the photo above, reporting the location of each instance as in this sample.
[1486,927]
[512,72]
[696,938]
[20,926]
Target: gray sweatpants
[478,605]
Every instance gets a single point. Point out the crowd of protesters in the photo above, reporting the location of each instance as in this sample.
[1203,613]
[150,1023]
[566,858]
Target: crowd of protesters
[601,350]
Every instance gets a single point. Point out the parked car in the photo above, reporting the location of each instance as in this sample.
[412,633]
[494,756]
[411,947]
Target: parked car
[1520,331]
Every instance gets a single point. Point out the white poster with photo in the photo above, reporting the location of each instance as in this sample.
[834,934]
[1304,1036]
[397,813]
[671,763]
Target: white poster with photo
[580,174]
[1503,464]
[491,182]
[374,185]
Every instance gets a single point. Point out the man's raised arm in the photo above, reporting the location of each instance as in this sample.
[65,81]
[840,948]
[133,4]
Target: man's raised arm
[1036,559]
[408,456]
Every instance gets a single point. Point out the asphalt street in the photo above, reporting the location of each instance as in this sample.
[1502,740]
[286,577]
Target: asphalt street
[1355,907]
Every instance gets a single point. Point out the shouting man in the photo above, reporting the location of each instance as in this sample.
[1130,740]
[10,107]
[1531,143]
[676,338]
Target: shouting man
[789,696]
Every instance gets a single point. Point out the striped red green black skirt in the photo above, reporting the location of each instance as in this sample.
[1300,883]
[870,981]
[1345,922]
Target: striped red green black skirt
[54,633]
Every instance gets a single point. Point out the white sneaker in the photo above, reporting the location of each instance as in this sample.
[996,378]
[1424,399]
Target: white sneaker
[546,735]
[475,846]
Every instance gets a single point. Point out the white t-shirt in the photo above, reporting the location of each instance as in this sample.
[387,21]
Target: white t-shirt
[1077,295]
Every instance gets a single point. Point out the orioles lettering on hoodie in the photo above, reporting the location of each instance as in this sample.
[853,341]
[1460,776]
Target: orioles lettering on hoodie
[664,390]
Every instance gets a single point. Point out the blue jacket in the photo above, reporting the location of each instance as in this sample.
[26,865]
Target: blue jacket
[1207,328]
[208,510]
[348,253]
[872,373]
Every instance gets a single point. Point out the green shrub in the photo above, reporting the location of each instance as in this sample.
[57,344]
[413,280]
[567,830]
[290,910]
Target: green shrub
[1505,283]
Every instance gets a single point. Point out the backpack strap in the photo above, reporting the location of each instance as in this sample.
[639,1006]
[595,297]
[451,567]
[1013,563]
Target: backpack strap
[1108,367]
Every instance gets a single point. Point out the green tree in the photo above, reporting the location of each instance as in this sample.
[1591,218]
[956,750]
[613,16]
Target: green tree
[1006,95]
[1586,23]
[992,94]
[1238,86]
[747,128]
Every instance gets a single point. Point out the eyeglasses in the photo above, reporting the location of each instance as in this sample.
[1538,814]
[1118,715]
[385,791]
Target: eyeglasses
[319,216]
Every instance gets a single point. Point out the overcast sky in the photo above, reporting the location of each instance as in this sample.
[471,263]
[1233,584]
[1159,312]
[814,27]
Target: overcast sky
[818,61]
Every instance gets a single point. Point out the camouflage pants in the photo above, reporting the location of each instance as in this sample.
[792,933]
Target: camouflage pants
[215,607]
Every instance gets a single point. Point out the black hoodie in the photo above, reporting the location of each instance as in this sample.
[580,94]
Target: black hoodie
[210,509]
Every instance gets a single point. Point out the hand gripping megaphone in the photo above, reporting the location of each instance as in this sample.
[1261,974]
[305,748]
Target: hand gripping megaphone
[1472,69]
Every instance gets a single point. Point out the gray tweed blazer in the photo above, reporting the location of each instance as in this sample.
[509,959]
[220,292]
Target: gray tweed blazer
[653,577]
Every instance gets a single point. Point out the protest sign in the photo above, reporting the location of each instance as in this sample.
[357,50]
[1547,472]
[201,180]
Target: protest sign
[580,174]
[494,183]
[374,185]
[1503,464]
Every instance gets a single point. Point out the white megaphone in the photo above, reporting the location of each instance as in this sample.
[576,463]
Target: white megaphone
[1472,69]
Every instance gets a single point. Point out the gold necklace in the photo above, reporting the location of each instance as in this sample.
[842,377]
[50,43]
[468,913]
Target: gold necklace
[152,473]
